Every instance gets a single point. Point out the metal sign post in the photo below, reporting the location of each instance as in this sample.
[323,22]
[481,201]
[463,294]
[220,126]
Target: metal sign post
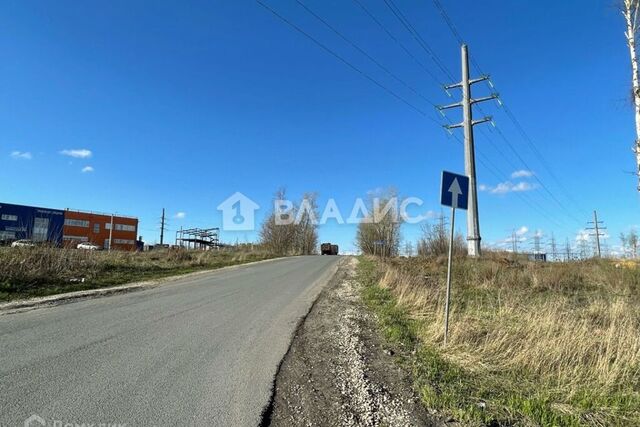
[454,192]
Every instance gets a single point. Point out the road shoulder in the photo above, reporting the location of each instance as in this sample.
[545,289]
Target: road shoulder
[337,370]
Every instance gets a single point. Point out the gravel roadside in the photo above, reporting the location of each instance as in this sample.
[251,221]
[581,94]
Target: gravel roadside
[337,371]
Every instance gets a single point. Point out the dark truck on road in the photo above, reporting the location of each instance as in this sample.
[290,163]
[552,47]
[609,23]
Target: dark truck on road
[328,249]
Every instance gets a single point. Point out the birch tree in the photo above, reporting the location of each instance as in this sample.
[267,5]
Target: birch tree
[630,13]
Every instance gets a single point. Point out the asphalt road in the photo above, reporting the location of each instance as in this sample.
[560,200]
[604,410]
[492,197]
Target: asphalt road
[202,350]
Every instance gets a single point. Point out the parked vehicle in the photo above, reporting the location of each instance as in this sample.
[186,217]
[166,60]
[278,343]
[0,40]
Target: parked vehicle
[88,246]
[22,243]
[328,249]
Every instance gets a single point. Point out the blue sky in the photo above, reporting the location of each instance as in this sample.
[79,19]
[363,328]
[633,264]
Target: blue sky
[181,104]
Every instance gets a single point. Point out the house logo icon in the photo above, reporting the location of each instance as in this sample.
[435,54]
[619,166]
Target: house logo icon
[238,213]
[34,421]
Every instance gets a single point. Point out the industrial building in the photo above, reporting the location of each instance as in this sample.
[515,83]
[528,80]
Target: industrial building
[95,228]
[66,227]
[30,222]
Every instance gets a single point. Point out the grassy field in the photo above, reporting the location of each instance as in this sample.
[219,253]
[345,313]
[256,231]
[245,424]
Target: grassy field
[550,344]
[38,271]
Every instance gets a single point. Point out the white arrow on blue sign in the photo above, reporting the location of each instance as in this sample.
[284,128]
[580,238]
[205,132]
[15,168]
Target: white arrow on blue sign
[454,191]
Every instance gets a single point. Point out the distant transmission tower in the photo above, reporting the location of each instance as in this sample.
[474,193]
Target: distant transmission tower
[537,243]
[596,232]
[554,248]
[567,250]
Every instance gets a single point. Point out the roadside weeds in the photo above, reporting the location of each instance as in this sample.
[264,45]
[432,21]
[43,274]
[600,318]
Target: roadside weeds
[56,299]
[467,386]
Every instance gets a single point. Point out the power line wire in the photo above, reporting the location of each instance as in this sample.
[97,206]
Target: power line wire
[500,175]
[417,37]
[362,51]
[398,14]
[535,176]
[347,63]
[395,39]
[447,19]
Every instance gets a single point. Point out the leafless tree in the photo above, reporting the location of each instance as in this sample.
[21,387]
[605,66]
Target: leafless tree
[307,225]
[630,12]
[379,232]
[408,248]
[279,238]
[291,229]
[435,240]
[632,241]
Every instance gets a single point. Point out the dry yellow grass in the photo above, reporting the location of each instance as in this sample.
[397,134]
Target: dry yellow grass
[36,271]
[567,332]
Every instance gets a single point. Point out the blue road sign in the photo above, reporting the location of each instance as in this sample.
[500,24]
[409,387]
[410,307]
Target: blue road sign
[455,190]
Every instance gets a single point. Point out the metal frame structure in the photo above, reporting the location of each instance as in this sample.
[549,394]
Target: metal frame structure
[198,238]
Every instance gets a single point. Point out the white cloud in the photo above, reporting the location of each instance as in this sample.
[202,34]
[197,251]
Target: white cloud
[431,214]
[522,230]
[522,173]
[81,153]
[87,169]
[25,155]
[180,215]
[508,187]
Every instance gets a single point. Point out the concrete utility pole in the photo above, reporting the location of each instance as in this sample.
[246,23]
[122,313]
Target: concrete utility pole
[110,233]
[162,228]
[473,222]
[597,228]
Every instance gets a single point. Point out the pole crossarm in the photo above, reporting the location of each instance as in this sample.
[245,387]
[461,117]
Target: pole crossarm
[485,98]
[482,120]
[457,125]
[479,79]
[472,81]
[446,107]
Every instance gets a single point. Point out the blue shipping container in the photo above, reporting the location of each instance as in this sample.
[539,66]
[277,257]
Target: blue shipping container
[33,223]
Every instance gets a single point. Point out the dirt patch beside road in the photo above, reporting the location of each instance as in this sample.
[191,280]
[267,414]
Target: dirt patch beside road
[337,371]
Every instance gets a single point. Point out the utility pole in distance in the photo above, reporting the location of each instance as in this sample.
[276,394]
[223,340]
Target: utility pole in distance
[473,222]
[162,228]
[596,227]
[110,233]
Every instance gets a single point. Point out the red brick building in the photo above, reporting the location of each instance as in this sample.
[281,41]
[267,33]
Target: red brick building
[95,228]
